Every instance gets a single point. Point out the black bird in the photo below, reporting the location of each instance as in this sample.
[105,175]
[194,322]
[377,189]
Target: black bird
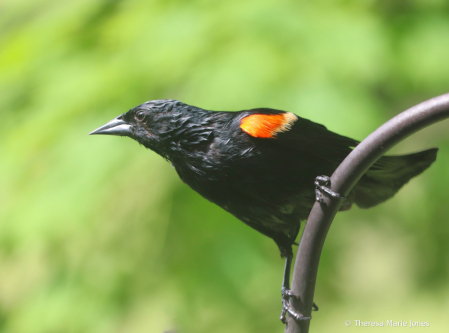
[260,165]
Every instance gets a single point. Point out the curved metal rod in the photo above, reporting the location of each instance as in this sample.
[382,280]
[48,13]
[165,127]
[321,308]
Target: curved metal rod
[342,181]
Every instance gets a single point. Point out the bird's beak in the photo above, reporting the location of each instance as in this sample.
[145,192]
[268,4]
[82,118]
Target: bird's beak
[116,126]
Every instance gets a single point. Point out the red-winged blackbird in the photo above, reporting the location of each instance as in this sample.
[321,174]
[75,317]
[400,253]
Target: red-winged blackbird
[259,165]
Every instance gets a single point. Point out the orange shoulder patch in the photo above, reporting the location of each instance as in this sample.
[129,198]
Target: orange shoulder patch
[267,125]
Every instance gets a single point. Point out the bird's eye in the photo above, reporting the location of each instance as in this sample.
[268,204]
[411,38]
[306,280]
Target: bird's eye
[140,115]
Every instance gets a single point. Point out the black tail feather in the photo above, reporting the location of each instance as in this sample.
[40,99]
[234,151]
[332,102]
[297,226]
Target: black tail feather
[388,175]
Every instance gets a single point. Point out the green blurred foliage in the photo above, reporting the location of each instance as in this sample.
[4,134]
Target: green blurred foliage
[99,235]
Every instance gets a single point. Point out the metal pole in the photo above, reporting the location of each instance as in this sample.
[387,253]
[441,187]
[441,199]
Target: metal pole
[342,181]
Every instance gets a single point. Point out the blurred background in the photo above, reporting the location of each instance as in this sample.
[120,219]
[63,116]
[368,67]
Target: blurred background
[99,235]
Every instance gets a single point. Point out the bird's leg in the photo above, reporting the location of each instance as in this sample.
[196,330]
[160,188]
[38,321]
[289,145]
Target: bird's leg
[287,293]
[322,184]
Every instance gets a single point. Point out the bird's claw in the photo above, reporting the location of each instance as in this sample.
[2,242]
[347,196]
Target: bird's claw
[286,294]
[322,184]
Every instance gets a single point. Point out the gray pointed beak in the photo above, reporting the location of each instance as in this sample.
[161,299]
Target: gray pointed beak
[116,126]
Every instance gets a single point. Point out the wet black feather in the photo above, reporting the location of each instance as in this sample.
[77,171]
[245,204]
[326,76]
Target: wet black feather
[266,183]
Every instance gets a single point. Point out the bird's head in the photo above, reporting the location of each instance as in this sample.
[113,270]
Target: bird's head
[158,125]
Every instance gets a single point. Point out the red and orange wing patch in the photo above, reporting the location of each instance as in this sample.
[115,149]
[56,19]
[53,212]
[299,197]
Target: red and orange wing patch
[267,125]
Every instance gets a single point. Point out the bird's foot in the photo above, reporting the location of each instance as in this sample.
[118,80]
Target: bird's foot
[322,184]
[286,294]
